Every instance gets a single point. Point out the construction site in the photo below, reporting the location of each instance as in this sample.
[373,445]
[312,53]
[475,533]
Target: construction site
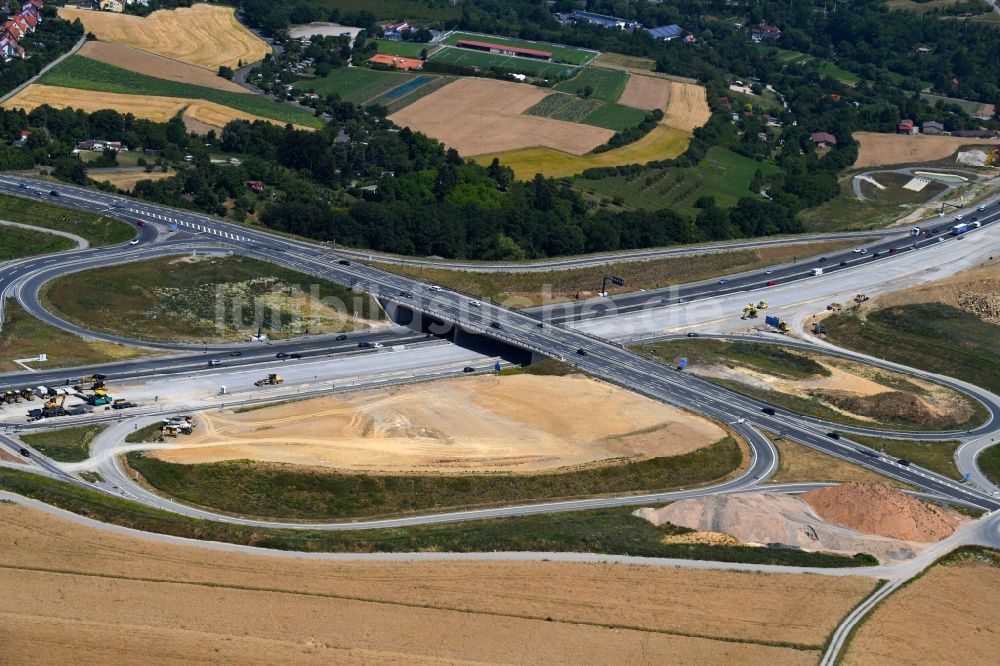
[84,396]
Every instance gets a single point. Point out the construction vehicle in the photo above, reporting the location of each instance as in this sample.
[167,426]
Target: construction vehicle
[269,380]
[11,397]
[96,381]
[993,159]
[122,403]
[762,305]
[783,327]
[28,393]
[835,307]
[181,426]
[861,298]
[98,398]
[749,312]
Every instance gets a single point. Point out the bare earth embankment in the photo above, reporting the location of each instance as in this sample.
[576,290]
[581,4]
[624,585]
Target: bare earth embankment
[883,149]
[131,600]
[847,519]
[976,291]
[520,423]
[476,116]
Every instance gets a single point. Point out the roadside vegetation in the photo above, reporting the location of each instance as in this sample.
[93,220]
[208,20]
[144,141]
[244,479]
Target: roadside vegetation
[97,229]
[798,463]
[293,492]
[936,456]
[16,242]
[66,444]
[900,405]
[567,284]
[930,336]
[23,336]
[989,463]
[206,298]
[611,531]
[150,433]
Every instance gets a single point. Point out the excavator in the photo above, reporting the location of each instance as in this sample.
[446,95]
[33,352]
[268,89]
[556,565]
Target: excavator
[269,380]
[96,382]
[749,312]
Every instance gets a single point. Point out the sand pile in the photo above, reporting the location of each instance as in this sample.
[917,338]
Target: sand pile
[877,509]
[775,519]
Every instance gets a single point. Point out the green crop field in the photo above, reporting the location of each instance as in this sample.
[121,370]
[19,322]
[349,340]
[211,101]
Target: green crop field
[560,106]
[722,174]
[615,117]
[402,49]
[86,74]
[482,60]
[607,84]
[560,53]
[355,84]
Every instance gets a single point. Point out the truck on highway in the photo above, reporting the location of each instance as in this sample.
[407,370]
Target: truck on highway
[817,271]
[959,229]
[916,231]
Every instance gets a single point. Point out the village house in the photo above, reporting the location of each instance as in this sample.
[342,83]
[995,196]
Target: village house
[17,26]
[823,139]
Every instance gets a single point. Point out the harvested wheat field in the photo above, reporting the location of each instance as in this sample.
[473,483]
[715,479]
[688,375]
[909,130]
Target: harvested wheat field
[131,599]
[151,107]
[882,149]
[520,423]
[660,144]
[687,108]
[151,64]
[646,92]
[203,35]
[947,616]
[476,116]
[126,180]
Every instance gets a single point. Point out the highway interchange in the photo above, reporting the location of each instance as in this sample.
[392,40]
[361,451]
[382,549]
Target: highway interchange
[442,310]
[587,334]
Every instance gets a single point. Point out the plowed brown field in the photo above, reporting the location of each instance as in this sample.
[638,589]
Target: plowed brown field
[471,424]
[476,116]
[151,64]
[77,594]
[882,149]
[203,35]
[646,92]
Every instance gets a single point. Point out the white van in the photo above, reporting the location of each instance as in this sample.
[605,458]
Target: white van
[817,271]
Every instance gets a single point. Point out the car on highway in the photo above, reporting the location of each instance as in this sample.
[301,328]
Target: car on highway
[281,355]
[215,361]
[540,324]
[981,208]
[468,368]
[377,345]
[823,260]
[343,262]
[892,250]
[406,294]
[723,281]
[434,287]
[692,335]
[140,224]
[23,186]
[771,283]
[581,351]
[25,452]
[864,251]
[364,345]
[495,324]
[53,193]
[856,250]
[876,255]
[843,263]
[833,435]
[236,354]
[768,410]
[340,337]
[475,304]
[134,241]
[904,462]
[768,271]
[295,356]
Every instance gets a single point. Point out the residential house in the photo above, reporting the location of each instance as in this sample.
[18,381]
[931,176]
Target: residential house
[823,139]
[19,143]
[765,32]
[16,27]
[905,127]
[396,29]
[255,185]
[932,127]
[605,21]
[112,6]
[100,145]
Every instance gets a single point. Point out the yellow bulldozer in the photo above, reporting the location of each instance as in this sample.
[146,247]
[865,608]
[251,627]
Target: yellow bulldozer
[270,380]
[762,305]
[783,327]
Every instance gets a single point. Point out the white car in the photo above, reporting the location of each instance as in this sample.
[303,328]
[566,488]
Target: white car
[768,271]
[475,304]
[864,251]
[856,250]
[377,345]
[434,287]
[134,241]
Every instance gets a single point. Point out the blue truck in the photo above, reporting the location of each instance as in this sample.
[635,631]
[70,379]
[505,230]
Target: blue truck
[959,229]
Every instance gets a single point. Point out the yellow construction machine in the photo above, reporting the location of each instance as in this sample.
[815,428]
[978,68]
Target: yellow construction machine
[762,305]
[784,327]
[269,380]
[861,298]
[749,312]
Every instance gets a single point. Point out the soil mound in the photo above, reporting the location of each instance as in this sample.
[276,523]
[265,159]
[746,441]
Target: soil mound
[888,407]
[774,519]
[877,509]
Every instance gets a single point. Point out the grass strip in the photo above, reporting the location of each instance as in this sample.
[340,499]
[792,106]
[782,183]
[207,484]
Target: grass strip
[607,531]
[66,444]
[97,229]
[937,456]
[16,242]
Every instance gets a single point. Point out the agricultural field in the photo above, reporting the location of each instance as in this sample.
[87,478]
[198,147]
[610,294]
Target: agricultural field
[355,84]
[157,66]
[635,65]
[126,180]
[203,35]
[646,92]
[197,114]
[970,107]
[662,143]
[560,53]
[482,60]
[87,74]
[477,116]
[176,597]
[562,106]
[884,149]
[687,108]
[722,174]
[607,84]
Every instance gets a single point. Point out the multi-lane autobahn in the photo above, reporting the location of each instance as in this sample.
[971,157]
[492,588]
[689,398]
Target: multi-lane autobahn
[444,309]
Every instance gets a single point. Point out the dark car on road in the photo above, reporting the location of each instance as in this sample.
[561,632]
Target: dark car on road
[904,462]
[365,345]
[344,262]
[236,354]
[53,193]
[833,435]
[768,410]
[495,324]
[468,368]
[26,453]
[843,263]
[692,335]
[281,355]
[823,260]
[406,294]
[581,351]
[340,337]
